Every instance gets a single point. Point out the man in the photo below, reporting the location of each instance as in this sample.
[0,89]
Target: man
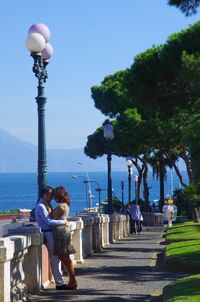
[42,215]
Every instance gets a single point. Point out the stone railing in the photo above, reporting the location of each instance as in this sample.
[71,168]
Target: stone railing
[76,224]
[119,227]
[20,264]
[153,219]
[95,232]
[24,262]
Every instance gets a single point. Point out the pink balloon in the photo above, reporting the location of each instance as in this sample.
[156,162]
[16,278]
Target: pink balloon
[42,29]
[47,52]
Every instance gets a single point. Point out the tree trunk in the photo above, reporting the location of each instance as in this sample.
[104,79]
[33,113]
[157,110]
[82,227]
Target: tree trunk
[146,188]
[139,183]
[188,164]
[162,184]
[195,215]
[140,173]
[178,173]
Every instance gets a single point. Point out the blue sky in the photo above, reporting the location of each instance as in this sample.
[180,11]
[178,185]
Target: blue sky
[91,39]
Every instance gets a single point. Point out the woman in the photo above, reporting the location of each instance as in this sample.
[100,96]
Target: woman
[62,235]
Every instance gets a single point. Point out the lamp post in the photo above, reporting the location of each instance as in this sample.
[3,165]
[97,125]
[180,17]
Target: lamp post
[97,190]
[86,187]
[109,135]
[129,165]
[41,51]
[136,188]
[122,189]
[90,197]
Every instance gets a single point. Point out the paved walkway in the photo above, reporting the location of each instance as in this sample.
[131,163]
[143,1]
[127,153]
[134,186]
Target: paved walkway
[125,271]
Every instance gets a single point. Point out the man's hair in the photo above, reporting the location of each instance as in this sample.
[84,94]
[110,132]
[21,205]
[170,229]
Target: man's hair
[45,190]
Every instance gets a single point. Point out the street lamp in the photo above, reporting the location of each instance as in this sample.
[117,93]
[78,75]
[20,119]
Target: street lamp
[109,135]
[90,196]
[136,188]
[86,187]
[97,190]
[122,189]
[129,165]
[41,51]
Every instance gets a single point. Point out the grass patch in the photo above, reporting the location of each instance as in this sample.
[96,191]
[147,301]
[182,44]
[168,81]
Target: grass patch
[183,256]
[183,248]
[184,290]
[14,211]
[183,232]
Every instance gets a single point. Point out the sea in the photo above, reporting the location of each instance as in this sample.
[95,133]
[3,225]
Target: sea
[19,190]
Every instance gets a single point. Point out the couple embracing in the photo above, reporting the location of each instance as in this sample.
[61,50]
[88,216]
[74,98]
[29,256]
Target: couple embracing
[56,230]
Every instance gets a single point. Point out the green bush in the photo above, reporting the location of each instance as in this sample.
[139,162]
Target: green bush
[181,202]
[192,195]
[10,212]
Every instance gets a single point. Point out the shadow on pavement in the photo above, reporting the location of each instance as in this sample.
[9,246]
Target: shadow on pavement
[92,295]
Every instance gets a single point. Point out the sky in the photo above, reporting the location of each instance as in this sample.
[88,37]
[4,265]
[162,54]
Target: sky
[91,39]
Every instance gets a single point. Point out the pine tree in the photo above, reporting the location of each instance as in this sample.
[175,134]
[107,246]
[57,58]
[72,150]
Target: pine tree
[188,7]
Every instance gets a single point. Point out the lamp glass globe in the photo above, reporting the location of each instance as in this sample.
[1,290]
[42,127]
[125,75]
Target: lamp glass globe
[108,132]
[35,42]
[47,51]
[41,29]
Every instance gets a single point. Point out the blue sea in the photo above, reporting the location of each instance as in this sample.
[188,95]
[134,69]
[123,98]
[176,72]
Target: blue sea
[19,190]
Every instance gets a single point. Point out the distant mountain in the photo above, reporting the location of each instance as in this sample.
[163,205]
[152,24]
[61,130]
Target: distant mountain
[15,154]
[19,156]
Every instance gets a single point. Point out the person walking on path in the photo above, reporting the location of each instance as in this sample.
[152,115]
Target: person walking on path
[135,213]
[42,215]
[141,219]
[62,234]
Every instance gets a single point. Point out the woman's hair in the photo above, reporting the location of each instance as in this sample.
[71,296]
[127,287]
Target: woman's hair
[61,195]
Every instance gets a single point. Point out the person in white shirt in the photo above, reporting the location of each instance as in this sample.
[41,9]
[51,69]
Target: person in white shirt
[42,216]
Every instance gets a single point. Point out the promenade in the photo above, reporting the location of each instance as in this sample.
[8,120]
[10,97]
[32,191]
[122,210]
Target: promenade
[125,271]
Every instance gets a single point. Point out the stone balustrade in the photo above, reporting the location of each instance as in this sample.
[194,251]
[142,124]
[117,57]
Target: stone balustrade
[153,219]
[105,230]
[76,224]
[24,263]
[96,231]
[20,264]
[87,242]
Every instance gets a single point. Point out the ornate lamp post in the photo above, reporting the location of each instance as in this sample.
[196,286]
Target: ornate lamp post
[41,51]
[86,187]
[122,189]
[99,190]
[109,135]
[90,196]
[129,165]
[136,188]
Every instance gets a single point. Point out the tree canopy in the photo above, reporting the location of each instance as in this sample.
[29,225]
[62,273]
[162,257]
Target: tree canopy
[153,105]
[188,7]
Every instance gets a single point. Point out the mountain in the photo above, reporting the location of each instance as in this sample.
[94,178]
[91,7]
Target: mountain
[15,154]
[19,156]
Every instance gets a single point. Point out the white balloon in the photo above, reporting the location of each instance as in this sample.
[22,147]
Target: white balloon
[35,42]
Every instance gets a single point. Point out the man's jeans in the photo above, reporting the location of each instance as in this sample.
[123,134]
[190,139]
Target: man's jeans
[135,226]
